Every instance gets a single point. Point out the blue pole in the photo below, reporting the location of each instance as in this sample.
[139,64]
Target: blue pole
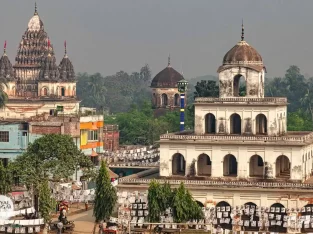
[182,112]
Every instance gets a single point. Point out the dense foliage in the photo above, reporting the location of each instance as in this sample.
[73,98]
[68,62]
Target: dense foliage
[105,196]
[46,202]
[52,157]
[5,179]
[161,197]
[114,93]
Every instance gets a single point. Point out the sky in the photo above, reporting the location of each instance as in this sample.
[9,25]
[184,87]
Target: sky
[109,36]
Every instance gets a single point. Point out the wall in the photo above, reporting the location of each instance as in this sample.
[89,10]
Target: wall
[170,92]
[55,88]
[217,152]
[276,117]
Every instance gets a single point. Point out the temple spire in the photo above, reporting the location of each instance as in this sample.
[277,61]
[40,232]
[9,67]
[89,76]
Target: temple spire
[242,32]
[65,50]
[169,60]
[5,48]
[36,13]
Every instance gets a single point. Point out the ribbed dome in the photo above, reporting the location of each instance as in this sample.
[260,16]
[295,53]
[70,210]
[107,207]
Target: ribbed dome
[49,70]
[167,78]
[6,69]
[242,53]
[66,69]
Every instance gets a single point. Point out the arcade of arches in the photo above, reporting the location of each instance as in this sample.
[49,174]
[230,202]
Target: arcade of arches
[230,166]
[236,124]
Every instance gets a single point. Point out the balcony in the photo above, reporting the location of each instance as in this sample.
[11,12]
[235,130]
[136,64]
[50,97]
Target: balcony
[243,100]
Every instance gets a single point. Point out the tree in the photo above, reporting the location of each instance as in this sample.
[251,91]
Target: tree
[185,208]
[46,202]
[5,179]
[206,88]
[52,156]
[105,195]
[3,95]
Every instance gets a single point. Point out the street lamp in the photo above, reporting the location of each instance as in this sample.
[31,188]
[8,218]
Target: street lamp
[182,88]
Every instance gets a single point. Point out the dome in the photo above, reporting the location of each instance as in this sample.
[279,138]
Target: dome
[6,69]
[167,78]
[66,69]
[242,53]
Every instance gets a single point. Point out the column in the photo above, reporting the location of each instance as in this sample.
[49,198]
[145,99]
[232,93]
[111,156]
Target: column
[182,112]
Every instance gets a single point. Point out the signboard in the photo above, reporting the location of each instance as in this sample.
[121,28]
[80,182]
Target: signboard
[6,207]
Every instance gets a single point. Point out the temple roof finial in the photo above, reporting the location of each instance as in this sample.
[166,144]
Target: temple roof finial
[36,13]
[65,49]
[169,60]
[5,48]
[242,32]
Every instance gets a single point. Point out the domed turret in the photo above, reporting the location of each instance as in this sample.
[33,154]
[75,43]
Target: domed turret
[6,69]
[167,78]
[66,69]
[49,70]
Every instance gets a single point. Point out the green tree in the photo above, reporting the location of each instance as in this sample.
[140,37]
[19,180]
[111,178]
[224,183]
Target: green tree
[5,179]
[185,208]
[46,202]
[52,156]
[206,88]
[3,94]
[105,195]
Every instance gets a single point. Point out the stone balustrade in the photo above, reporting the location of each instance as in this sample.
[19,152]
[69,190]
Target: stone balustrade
[226,184]
[265,100]
[305,137]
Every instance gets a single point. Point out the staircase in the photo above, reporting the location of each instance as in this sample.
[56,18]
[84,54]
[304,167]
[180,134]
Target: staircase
[284,175]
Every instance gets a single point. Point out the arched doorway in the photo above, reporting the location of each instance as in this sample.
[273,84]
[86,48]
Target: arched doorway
[199,203]
[176,99]
[235,124]
[223,211]
[276,215]
[256,166]
[164,100]
[154,99]
[204,165]
[305,212]
[261,124]
[239,86]
[250,217]
[210,123]
[44,92]
[62,91]
[178,165]
[283,167]
[230,165]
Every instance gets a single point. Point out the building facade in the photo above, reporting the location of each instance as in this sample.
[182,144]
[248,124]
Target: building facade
[35,83]
[91,135]
[111,137]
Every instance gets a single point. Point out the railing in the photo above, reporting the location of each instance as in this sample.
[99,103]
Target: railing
[267,100]
[282,139]
[212,183]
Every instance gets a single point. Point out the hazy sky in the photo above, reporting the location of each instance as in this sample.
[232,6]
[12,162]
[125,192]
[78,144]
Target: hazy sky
[109,36]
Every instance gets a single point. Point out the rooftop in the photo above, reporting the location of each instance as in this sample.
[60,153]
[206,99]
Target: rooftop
[290,138]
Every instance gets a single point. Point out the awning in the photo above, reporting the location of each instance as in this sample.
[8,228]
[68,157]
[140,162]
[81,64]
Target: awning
[93,153]
[112,174]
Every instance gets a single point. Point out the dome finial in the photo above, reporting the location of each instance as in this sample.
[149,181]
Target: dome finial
[242,32]
[5,48]
[169,60]
[36,13]
[65,50]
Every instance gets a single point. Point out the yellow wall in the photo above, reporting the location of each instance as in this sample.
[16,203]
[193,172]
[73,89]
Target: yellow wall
[83,137]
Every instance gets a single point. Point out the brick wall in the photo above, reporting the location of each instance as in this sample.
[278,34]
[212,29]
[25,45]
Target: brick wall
[46,129]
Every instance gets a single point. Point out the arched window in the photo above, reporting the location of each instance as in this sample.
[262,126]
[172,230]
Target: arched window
[154,99]
[256,166]
[176,99]
[62,91]
[164,100]
[204,165]
[248,213]
[223,211]
[235,124]
[178,165]
[261,124]
[230,165]
[239,86]
[283,167]
[210,123]
[74,91]
[44,92]
[306,225]
[276,218]
[13,91]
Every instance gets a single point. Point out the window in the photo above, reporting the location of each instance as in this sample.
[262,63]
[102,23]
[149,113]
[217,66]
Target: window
[93,135]
[4,136]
